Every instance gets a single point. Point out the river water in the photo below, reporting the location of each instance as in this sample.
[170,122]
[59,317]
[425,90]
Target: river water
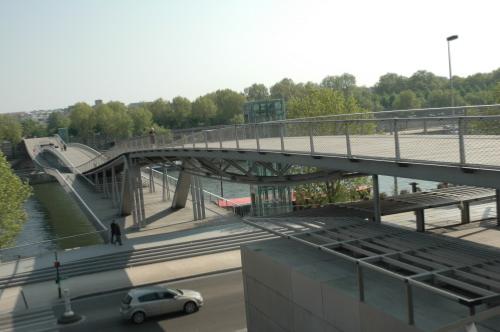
[52,214]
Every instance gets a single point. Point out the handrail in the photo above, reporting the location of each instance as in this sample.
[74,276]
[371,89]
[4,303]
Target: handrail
[85,147]
[204,190]
[52,240]
[250,133]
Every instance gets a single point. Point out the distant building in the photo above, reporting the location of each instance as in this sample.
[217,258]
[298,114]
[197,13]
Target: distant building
[98,102]
[42,116]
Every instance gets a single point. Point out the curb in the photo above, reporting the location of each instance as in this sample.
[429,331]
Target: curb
[115,290]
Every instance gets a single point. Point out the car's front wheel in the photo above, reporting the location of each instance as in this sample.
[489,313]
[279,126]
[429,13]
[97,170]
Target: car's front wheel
[138,317]
[190,307]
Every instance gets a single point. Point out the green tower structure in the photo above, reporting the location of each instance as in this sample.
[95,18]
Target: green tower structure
[268,200]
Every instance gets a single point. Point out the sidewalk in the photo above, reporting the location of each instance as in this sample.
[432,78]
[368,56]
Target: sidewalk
[45,293]
[184,232]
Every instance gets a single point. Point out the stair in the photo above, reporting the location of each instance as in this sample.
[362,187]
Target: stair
[33,320]
[137,257]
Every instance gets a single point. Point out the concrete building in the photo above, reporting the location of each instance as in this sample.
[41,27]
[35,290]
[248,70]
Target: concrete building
[291,286]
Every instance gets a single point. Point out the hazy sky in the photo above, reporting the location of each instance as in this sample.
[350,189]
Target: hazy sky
[54,53]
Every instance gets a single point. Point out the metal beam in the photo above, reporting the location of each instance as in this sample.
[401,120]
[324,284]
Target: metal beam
[420,215]
[430,171]
[376,200]
[497,196]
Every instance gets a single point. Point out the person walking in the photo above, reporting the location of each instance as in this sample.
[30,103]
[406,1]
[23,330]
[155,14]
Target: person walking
[116,235]
[152,137]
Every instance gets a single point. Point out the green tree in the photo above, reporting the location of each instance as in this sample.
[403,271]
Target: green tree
[406,100]
[182,112]
[104,120]
[13,194]
[344,83]
[287,89]
[57,120]
[122,124]
[142,120]
[83,120]
[423,82]
[204,110]
[32,128]
[229,104]
[390,83]
[439,98]
[256,92]
[10,129]
[317,101]
[162,112]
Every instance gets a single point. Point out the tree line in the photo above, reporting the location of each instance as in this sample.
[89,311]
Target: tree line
[13,194]
[333,95]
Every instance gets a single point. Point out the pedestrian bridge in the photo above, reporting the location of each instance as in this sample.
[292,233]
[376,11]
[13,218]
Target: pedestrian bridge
[460,149]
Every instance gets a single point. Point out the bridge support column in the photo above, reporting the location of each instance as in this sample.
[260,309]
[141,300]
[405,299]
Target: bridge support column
[113,186]
[465,211]
[165,186]
[197,198]
[181,190]
[127,191]
[194,198]
[139,212]
[420,214]
[151,181]
[497,192]
[201,198]
[376,199]
[105,184]
[141,195]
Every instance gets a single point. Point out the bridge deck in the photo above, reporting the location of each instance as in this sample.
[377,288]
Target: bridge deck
[480,149]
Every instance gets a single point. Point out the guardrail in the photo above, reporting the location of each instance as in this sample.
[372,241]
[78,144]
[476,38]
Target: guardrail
[33,249]
[452,140]
[209,196]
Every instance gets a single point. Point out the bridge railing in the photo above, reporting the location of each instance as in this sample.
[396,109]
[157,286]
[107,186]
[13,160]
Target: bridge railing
[469,138]
[235,207]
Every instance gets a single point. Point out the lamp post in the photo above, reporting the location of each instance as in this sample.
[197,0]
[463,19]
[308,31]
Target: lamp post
[449,39]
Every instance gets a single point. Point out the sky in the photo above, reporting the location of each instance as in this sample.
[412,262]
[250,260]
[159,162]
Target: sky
[54,53]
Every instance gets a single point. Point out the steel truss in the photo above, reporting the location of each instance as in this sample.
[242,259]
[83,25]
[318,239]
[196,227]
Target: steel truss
[246,172]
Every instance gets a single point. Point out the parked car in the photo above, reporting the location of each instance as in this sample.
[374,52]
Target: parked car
[151,301]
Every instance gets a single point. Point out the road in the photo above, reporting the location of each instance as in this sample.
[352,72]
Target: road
[224,309]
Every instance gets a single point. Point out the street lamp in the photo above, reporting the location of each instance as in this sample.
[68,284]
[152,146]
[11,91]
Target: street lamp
[449,39]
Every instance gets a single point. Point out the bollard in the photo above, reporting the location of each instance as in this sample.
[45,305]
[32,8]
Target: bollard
[68,316]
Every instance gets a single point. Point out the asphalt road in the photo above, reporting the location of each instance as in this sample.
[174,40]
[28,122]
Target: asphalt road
[224,309]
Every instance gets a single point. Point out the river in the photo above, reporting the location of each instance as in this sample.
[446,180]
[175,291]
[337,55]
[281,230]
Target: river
[52,214]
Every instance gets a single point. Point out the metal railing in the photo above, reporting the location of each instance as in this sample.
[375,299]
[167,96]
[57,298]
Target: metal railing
[407,280]
[209,196]
[33,249]
[465,140]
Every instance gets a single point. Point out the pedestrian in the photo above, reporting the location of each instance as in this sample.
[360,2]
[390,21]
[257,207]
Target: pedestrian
[116,235]
[152,137]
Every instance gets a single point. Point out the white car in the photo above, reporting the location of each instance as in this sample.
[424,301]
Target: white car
[145,302]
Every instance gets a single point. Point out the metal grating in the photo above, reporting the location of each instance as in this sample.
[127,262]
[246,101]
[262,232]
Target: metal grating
[425,200]
[459,270]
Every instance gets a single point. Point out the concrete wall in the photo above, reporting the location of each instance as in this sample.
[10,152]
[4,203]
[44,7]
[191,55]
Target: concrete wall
[291,287]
